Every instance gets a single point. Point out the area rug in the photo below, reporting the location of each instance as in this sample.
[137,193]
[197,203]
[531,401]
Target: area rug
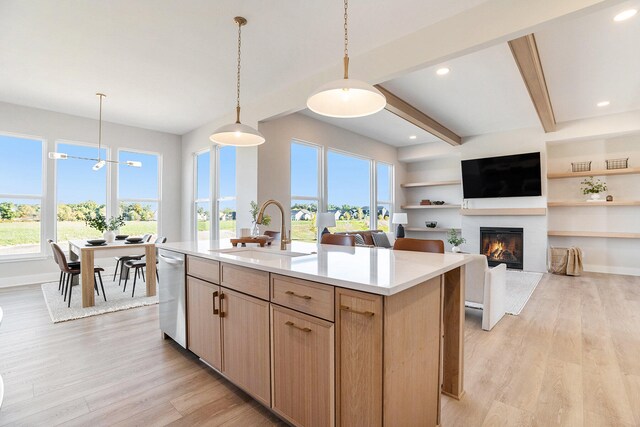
[520,287]
[116,300]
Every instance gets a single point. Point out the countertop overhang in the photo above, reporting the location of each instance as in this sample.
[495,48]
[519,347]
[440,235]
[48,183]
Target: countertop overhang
[376,270]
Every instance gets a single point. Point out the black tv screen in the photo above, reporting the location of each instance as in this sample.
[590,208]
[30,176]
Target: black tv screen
[506,176]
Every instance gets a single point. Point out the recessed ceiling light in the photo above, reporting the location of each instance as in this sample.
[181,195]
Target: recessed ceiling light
[412,137]
[603,103]
[442,71]
[623,16]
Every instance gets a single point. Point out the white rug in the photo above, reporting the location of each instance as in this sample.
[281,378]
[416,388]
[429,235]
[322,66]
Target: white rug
[520,287]
[116,300]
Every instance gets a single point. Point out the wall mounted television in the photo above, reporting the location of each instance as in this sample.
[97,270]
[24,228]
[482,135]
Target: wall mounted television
[505,176]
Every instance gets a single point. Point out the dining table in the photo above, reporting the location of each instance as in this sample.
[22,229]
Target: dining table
[87,253]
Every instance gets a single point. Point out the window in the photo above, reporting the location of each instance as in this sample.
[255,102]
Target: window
[20,195]
[349,191]
[139,193]
[305,190]
[384,195]
[226,192]
[80,191]
[202,202]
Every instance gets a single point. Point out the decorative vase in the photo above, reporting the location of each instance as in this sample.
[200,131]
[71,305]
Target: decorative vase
[595,196]
[455,249]
[109,236]
[255,231]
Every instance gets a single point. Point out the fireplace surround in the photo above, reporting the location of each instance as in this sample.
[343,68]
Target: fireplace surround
[503,245]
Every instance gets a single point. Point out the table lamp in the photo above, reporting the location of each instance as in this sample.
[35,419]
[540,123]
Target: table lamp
[400,219]
[324,220]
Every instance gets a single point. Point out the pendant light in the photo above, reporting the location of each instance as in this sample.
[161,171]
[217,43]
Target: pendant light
[100,162]
[236,133]
[346,98]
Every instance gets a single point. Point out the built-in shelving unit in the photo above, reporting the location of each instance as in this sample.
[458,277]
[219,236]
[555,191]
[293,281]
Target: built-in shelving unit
[430,229]
[504,212]
[602,172]
[445,206]
[605,234]
[429,184]
[592,204]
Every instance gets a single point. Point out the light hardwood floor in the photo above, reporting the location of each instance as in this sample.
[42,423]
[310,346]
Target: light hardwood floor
[571,358]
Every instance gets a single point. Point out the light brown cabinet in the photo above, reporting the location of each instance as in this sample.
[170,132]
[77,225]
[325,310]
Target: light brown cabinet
[203,322]
[303,370]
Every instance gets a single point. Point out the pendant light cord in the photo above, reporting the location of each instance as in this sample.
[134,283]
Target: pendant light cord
[238,75]
[346,40]
[100,95]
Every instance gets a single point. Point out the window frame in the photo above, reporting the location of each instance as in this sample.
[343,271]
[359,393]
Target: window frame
[196,200]
[319,199]
[391,189]
[215,207]
[158,200]
[41,254]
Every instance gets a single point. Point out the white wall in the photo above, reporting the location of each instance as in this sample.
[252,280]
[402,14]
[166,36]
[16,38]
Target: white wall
[274,157]
[51,127]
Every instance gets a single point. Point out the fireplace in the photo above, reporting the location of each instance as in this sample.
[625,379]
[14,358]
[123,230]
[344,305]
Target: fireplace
[502,246]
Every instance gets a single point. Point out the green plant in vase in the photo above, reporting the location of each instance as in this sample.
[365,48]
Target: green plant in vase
[105,226]
[455,240]
[266,219]
[593,186]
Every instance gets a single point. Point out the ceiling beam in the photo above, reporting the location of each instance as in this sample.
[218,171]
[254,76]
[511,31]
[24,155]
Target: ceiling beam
[406,111]
[525,52]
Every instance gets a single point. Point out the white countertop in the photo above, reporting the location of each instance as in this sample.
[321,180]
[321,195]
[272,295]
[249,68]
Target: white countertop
[376,270]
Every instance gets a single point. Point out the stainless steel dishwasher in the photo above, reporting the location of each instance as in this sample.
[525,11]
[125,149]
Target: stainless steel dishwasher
[172,295]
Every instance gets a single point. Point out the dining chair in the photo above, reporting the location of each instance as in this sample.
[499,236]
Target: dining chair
[72,264]
[72,272]
[139,266]
[419,245]
[338,239]
[120,260]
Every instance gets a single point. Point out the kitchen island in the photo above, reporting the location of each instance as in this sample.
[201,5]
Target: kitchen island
[328,335]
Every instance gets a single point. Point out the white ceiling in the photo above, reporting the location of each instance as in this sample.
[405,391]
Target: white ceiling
[170,65]
[592,59]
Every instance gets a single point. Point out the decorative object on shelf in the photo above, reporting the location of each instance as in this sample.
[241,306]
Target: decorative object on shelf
[245,232]
[100,162]
[580,166]
[431,224]
[455,240]
[236,133]
[609,198]
[425,202]
[346,98]
[401,220]
[438,202]
[617,163]
[325,220]
[107,227]
[266,219]
[593,186]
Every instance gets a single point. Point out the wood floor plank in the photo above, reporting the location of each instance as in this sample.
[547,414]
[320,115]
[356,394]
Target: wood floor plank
[502,415]
[560,402]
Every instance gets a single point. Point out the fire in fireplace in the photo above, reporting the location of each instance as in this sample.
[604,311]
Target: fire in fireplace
[502,246]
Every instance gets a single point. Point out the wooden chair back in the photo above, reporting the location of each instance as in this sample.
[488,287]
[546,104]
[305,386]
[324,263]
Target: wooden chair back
[338,239]
[419,245]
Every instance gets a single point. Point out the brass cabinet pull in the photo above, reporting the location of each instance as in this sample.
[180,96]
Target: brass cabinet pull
[214,295]
[290,323]
[222,314]
[364,313]
[293,294]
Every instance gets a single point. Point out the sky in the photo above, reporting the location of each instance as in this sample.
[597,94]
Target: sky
[227,162]
[20,166]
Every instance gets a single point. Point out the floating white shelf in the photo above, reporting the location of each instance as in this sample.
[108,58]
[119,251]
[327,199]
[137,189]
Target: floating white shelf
[445,206]
[592,204]
[430,230]
[429,184]
[505,212]
[627,171]
[610,234]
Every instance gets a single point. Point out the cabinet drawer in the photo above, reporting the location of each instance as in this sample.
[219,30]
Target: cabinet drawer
[247,280]
[309,297]
[205,269]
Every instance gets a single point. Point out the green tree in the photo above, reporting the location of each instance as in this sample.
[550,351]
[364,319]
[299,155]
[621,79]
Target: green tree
[7,211]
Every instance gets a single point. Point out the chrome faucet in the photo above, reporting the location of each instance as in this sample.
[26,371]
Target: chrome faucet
[283,231]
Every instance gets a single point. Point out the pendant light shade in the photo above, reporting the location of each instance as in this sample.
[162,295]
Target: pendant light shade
[237,134]
[346,98]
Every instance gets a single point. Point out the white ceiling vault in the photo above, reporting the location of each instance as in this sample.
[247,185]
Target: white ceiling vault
[170,65]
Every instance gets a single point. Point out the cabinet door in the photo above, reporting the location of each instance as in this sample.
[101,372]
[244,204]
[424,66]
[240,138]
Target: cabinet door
[203,325]
[358,358]
[303,369]
[245,332]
